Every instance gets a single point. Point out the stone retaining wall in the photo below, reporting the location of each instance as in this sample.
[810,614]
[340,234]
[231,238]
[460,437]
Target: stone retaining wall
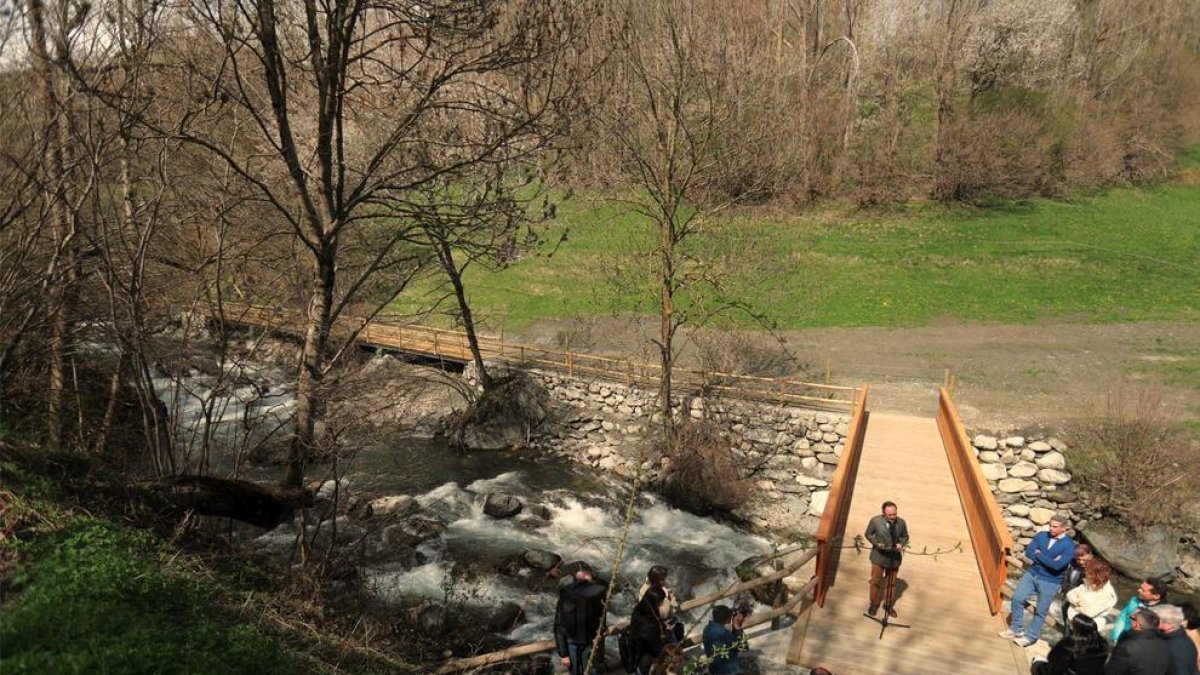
[790,453]
[1031,480]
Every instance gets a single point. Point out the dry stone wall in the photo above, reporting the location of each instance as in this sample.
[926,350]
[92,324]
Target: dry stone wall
[790,454]
[1031,480]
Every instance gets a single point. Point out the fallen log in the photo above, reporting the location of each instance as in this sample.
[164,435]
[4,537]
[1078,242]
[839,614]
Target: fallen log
[225,498]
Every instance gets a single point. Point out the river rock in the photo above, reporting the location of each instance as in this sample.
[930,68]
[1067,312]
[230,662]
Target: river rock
[540,559]
[1019,510]
[989,457]
[1054,476]
[985,442]
[1149,552]
[1056,444]
[993,471]
[506,617]
[1039,446]
[1052,460]
[540,511]
[817,502]
[809,463]
[501,505]
[827,458]
[1015,441]
[395,505]
[413,530]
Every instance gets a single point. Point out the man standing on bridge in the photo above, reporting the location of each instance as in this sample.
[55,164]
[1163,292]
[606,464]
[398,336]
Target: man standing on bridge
[1051,553]
[888,534]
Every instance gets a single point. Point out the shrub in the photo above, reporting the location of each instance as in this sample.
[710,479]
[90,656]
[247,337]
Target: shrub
[1137,459]
[702,474]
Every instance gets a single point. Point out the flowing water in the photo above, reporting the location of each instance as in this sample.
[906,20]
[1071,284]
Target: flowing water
[587,514]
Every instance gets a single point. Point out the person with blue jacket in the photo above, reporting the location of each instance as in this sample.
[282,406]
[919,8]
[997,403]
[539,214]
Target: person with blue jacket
[1051,553]
[723,638]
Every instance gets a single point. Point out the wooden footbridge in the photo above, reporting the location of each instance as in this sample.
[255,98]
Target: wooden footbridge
[949,589]
[950,582]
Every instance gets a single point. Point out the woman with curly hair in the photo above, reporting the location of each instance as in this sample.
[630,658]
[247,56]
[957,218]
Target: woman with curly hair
[1083,652]
[1094,597]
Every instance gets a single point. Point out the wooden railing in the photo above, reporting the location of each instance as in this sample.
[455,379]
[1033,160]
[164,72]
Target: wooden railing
[452,345]
[492,658]
[989,534]
[832,529]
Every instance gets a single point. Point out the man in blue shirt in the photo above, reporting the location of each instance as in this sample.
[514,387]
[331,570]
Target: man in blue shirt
[1051,553]
[723,638]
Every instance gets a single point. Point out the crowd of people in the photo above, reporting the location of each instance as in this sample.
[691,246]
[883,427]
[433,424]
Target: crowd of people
[1148,637]
[652,644]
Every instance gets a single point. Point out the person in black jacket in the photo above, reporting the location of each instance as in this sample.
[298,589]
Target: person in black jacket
[1141,650]
[1082,652]
[648,628]
[1179,645]
[578,617]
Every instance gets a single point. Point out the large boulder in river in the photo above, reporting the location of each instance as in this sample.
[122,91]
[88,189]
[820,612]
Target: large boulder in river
[1149,552]
[414,530]
[760,566]
[506,617]
[505,416]
[501,505]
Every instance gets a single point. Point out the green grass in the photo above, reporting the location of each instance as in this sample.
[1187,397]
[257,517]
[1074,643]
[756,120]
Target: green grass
[83,594]
[1120,255]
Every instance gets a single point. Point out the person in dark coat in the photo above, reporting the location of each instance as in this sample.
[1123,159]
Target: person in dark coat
[1082,652]
[578,617]
[888,534]
[1142,650]
[1182,650]
[648,628]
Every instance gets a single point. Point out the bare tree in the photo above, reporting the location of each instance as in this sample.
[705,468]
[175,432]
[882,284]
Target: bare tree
[670,126]
[335,112]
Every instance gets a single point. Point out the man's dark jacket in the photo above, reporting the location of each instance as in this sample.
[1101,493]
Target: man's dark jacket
[883,541]
[1139,652]
[1183,653]
[579,614]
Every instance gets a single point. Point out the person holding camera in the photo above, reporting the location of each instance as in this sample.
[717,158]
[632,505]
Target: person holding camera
[723,639]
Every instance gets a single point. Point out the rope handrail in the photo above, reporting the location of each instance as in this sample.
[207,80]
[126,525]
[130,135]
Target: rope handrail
[989,533]
[500,656]
[444,343]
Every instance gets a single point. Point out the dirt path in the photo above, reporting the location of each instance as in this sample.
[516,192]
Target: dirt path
[1007,377]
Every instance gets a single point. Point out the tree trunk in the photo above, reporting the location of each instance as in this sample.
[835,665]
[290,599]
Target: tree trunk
[310,400]
[446,257]
[59,213]
[667,327]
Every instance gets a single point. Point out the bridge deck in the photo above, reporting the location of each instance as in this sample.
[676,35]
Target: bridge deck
[943,599]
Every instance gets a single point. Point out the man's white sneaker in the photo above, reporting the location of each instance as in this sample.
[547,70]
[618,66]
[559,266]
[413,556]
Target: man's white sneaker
[1022,641]
[1007,634]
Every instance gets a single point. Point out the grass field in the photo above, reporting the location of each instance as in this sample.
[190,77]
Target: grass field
[1120,255]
